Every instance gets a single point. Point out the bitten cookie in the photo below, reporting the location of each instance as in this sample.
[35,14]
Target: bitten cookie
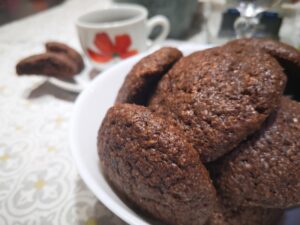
[219,96]
[265,170]
[57,47]
[144,76]
[148,162]
[50,64]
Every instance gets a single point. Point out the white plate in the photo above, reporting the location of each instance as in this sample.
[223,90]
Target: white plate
[90,109]
[81,80]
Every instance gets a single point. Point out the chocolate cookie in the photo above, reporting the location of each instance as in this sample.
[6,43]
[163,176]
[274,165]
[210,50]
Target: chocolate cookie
[148,162]
[57,47]
[226,214]
[282,52]
[265,170]
[286,55]
[50,64]
[144,76]
[219,96]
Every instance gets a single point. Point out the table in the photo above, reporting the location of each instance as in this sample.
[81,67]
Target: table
[39,183]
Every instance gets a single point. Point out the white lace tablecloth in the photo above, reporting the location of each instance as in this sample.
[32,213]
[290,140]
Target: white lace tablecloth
[39,184]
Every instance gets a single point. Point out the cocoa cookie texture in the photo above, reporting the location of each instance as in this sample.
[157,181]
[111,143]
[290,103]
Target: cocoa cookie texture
[281,51]
[219,96]
[286,55]
[147,161]
[265,170]
[57,47]
[49,64]
[59,61]
[227,214]
[144,76]
[223,107]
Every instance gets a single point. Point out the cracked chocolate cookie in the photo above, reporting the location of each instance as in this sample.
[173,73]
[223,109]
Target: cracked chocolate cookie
[265,170]
[281,51]
[148,162]
[218,97]
[57,47]
[287,56]
[49,64]
[144,76]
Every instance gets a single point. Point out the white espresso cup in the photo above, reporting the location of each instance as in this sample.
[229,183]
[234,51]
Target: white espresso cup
[112,34]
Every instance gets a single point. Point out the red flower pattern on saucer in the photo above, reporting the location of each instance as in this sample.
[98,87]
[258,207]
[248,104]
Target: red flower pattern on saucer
[109,50]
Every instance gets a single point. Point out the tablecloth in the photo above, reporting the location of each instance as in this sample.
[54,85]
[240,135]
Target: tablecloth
[39,183]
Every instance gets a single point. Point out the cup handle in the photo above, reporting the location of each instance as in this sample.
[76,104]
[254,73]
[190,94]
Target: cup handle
[158,21]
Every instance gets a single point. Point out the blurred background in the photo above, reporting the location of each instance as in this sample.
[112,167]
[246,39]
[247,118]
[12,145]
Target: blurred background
[212,19]
[16,9]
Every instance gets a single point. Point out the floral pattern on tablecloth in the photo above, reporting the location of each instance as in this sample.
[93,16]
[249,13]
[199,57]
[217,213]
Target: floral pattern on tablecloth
[39,184]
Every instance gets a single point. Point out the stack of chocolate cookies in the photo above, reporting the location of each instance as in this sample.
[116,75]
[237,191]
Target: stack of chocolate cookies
[212,138]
